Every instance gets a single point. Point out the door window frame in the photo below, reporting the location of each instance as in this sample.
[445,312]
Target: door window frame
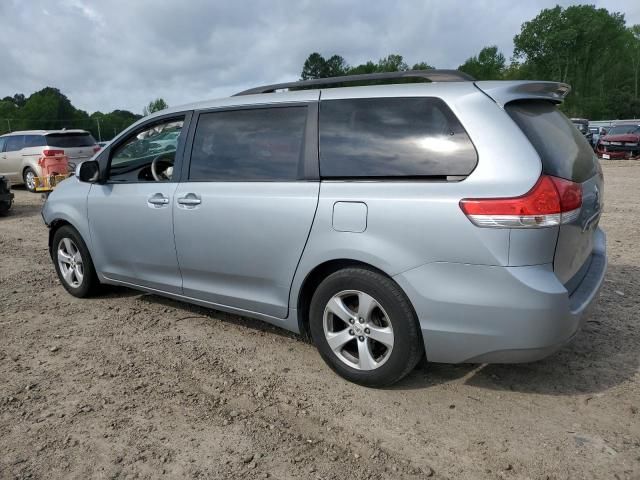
[104,158]
[310,153]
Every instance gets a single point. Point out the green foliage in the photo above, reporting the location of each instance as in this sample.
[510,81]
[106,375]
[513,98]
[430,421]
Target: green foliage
[154,106]
[489,64]
[589,48]
[49,109]
[315,66]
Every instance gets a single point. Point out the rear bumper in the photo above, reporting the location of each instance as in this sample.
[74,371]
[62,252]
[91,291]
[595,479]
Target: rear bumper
[479,313]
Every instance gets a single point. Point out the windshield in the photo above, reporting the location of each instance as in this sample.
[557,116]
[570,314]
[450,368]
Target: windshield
[624,129]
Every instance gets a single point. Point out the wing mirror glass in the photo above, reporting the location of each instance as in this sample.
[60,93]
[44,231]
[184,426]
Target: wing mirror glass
[88,171]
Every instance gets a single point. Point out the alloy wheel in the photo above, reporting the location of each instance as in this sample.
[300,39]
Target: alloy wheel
[70,262]
[358,330]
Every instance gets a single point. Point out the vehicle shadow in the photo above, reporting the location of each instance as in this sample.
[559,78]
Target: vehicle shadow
[192,311]
[603,354]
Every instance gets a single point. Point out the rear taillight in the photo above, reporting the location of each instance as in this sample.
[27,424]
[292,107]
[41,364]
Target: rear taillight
[52,153]
[550,202]
[96,149]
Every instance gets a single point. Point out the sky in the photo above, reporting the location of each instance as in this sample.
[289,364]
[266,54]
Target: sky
[120,54]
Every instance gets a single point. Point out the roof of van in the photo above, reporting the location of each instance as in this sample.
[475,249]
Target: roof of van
[43,132]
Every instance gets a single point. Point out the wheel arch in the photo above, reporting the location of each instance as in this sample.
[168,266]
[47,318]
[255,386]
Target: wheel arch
[314,277]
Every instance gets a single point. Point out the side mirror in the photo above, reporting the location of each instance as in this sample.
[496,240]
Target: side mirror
[88,171]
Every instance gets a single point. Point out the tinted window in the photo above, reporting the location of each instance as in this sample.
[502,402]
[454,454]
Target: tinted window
[2,144]
[70,140]
[249,145]
[14,143]
[392,137]
[133,160]
[564,151]
[34,141]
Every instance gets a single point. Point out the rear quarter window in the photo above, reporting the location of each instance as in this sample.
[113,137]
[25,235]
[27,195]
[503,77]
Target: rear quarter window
[392,138]
[563,149]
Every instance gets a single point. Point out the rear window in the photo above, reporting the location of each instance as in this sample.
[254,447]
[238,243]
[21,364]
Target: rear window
[392,137]
[70,140]
[564,151]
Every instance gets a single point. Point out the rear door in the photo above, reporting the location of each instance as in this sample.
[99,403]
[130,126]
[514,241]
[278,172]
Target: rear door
[243,215]
[78,146]
[565,153]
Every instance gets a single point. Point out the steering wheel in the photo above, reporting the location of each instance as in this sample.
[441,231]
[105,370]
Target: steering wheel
[166,174]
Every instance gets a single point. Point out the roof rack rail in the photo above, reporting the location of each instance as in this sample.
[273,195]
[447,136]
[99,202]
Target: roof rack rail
[432,75]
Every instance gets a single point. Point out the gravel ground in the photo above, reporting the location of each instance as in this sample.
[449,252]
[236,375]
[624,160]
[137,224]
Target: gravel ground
[129,385]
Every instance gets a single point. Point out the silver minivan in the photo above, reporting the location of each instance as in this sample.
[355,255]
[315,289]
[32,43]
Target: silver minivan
[454,219]
[21,152]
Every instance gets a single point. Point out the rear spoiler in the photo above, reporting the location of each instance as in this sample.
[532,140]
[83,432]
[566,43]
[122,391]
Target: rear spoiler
[503,92]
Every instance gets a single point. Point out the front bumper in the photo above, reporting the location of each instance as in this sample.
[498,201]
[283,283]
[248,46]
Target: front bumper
[494,314]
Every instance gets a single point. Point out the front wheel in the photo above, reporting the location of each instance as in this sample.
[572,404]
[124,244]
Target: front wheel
[365,328]
[73,263]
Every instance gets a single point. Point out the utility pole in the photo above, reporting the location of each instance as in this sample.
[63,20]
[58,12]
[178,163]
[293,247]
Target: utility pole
[9,123]
[99,134]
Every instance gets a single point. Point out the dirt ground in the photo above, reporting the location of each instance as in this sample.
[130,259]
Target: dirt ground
[129,385]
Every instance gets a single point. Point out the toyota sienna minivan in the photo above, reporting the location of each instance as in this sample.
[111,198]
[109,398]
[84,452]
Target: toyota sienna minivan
[452,219]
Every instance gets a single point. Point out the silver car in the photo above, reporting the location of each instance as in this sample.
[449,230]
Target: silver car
[453,219]
[21,152]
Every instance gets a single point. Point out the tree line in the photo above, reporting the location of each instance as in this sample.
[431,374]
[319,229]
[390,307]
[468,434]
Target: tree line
[50,109]
[589,48]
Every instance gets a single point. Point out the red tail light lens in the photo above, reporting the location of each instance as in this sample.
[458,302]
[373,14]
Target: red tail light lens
[96,149]
[52,153]
[550,202]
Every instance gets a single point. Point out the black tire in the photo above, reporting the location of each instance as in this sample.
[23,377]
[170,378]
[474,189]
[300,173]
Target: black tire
[90,281]
[29,187]
[408,347]
[4,208]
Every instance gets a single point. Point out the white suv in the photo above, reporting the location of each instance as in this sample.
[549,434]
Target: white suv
[21,151]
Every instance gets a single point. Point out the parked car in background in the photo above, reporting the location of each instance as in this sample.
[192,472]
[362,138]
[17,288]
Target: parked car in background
[621,141]
[20,152]
[595,135]
[6,196]
[582,124]
[384,222]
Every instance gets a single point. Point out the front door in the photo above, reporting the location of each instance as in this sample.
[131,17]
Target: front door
[130,215]
[243,214]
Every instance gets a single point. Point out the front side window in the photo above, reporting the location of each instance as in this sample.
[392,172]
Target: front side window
[263,144]
[147,155]
[14,143]
[392,137]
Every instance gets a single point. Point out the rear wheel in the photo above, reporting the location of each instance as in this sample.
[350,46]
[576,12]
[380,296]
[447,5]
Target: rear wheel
[29,177]
[73,263]
[364,327]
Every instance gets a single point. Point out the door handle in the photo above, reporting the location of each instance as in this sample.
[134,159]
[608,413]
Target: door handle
[158,200]
[190,200]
